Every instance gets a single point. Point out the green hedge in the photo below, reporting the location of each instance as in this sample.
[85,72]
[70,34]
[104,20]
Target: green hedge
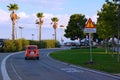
[52,43]
[40,44]
[14,45]
[20,44]
[9,46]
[45,43]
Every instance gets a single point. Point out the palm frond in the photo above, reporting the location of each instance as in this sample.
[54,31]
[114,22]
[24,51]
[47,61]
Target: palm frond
[12,7]
[54,19]
[40,15]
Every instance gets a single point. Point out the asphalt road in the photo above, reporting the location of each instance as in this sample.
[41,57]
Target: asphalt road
[2,56]
[49,69]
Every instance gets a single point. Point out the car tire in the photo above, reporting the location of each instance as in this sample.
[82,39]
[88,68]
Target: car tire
[37,58]
[25,58]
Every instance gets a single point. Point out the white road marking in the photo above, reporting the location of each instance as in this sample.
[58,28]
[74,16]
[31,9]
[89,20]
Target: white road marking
[3,67]
[15,72]
[71,70]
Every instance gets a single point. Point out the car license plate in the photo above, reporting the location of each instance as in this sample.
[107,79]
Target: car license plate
[32,52]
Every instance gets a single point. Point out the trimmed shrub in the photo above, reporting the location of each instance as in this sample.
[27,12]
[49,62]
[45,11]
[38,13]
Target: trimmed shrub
[40,44]
[18,44]
[57,44]
[15,45]
[33,42]
[21,44]
[9,46]
[52,43]
[24,43]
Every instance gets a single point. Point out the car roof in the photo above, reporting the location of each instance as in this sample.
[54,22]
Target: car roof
[31,46]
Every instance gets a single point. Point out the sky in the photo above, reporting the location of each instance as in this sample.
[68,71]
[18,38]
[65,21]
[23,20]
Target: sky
[28,9]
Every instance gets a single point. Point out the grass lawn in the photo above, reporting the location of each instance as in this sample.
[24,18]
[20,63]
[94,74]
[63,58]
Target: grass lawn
[103,61]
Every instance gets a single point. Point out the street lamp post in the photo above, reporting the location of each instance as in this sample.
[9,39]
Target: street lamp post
[117,2]
[37,22]
[20,27]
[53,35]
[62,26]
[32,36]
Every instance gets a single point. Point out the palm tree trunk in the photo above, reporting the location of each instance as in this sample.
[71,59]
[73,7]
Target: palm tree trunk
[13,30]
[55,34]
[40,33]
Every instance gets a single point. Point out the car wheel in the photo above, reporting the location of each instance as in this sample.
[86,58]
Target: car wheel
[25,58]
[37,58]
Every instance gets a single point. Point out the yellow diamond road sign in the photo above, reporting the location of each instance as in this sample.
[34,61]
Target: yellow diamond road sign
[90,27]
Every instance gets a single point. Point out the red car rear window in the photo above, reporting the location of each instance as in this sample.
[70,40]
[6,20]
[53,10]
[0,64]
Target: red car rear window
[32,48]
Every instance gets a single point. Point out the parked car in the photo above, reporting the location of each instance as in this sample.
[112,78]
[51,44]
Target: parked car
[71,44]
[84,42]
[116,41]
[2,44]
[32,52]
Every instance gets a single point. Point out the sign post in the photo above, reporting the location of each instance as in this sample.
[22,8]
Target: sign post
[90,28]
[90,47]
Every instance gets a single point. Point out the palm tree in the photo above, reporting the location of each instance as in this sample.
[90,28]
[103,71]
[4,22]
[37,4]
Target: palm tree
[55,24]
[40,22]
[13,16]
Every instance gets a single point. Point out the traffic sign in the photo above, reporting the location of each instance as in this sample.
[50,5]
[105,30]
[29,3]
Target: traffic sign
[90,24]
[90,27]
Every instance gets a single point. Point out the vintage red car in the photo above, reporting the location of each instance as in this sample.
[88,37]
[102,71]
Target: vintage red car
[32,52]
